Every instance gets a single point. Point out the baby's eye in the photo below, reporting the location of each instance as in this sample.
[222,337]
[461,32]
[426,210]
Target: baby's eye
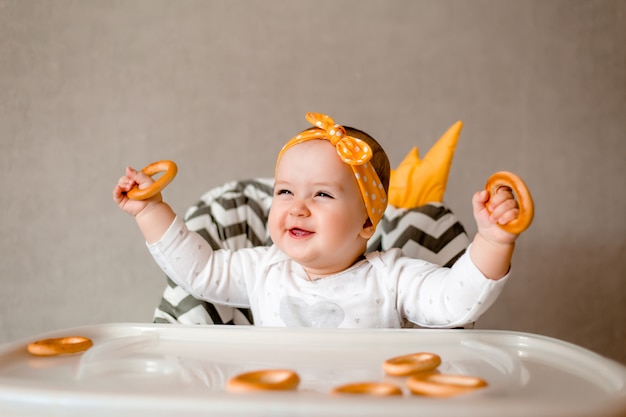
[282,192]
[323,194]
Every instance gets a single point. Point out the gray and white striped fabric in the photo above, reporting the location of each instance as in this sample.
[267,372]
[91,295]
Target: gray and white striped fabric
[234,216]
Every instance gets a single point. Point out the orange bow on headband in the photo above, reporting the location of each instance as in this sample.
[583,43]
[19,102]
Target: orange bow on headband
[354,152]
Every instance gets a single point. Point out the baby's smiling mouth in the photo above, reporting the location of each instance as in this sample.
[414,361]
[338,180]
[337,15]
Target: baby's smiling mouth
[299,233]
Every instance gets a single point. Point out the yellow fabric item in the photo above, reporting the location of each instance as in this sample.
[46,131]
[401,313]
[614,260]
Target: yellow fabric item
[354,152]
[416,182]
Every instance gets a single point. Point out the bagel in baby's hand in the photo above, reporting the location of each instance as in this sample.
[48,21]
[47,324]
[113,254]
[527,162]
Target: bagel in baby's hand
[433,384]
[524,199]
[59,346]
[170,170]
[264,380]
[379,389]
[411,363]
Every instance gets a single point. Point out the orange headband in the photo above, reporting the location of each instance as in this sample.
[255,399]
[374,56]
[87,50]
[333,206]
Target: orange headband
[354,152]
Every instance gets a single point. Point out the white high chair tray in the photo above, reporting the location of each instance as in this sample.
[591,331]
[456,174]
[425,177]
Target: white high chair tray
[168,370]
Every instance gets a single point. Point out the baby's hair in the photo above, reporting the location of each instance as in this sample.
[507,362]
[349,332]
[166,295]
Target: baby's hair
[380,160]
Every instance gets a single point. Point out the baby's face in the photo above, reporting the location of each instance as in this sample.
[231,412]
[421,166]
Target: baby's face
[318,217]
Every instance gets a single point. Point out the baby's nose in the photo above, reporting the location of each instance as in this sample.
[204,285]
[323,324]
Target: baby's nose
[298,208]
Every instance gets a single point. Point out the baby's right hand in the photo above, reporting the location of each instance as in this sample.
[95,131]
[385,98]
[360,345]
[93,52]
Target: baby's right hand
[133,179]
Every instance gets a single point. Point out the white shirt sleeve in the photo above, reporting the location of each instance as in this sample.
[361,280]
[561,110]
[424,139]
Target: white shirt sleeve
[431,296]
[216,276]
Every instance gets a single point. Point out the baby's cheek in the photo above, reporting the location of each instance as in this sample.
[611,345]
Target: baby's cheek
[274,224]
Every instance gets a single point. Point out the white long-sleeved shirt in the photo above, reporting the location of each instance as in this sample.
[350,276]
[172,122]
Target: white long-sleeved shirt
[377,292]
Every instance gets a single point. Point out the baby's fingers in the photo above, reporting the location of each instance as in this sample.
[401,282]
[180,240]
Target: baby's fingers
[125,183]
[505,212]
[121,188]
[139,178]
[502,201]
[503,193]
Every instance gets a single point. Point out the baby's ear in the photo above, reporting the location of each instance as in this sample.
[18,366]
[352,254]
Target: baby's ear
[368,229]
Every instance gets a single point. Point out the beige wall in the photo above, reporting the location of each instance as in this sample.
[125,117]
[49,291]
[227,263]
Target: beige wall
[87,87]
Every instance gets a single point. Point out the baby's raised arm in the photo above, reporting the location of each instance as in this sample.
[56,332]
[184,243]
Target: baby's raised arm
[492,248]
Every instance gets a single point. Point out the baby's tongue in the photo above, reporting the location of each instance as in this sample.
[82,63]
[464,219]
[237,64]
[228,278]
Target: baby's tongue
[300,232]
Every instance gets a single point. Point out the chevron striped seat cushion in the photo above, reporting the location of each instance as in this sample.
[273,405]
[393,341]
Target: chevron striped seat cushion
[234,216]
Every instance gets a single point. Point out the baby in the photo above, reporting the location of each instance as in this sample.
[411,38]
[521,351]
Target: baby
[329,194]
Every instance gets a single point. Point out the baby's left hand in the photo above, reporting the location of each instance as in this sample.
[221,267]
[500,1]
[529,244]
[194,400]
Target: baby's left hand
[490,212]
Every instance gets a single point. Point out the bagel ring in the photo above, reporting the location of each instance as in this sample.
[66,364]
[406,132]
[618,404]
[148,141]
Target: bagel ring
[59,346]
[380,389]
[264,380]
[411,363]
[524,200]
[170,170]
[432,384]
